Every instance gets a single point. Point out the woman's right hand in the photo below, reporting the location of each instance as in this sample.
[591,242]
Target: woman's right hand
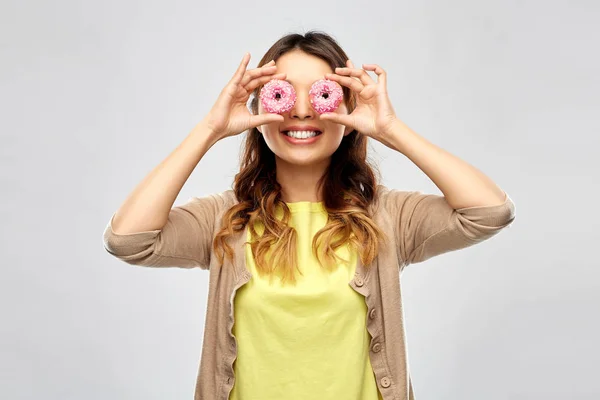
[230,115]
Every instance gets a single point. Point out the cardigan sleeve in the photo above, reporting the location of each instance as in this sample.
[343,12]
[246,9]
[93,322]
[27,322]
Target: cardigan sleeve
[425,225]
[185,241]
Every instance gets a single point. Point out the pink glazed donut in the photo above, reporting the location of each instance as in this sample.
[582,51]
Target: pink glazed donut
[277,96]
[325,95]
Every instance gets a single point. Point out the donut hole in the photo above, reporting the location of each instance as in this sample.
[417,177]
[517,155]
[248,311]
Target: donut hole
[325,95]
[278,96]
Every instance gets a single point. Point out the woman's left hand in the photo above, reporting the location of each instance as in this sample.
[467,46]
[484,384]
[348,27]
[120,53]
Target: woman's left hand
[374,115]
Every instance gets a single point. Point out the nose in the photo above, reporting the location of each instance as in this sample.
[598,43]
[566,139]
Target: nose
[302,108]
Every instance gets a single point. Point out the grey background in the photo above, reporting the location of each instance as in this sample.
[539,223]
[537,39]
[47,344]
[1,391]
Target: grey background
[95,94]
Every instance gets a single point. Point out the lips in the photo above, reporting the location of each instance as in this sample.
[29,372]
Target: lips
[298,141]
[301,128]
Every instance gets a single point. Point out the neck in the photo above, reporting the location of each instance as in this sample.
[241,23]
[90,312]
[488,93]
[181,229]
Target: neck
[300,182]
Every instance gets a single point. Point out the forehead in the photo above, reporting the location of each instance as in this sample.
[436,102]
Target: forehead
[302,68]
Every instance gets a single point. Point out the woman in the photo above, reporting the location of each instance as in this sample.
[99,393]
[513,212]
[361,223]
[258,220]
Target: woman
[305,252]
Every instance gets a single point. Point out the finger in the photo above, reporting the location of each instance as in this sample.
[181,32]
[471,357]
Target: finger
[349,64]
[268,68]
[381,74]
[361,74]
[256,72]
[239,73]
[350,82]
[342,119]
[253,84]
[262,119]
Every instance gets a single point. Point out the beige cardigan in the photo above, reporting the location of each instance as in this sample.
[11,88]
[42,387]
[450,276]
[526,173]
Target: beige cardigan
[418,226]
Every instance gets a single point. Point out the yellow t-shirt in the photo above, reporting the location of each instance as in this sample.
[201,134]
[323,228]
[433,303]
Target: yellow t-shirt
[307,341]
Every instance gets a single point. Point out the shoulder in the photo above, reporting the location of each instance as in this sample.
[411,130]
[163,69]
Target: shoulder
[390,202]
[383,197]
[211,205]
[225,198]
[379,207]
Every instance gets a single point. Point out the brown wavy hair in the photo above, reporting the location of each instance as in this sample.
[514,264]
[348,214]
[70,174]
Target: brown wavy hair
[349,186]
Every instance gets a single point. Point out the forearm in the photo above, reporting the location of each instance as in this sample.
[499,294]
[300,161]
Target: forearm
[462,184]
[147,207]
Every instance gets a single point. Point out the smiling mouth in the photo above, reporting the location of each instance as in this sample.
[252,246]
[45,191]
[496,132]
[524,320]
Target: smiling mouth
[301,134]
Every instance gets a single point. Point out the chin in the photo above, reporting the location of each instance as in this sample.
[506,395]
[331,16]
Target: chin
[303,160]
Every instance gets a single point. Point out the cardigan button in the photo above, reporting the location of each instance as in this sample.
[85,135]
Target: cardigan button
[358,281]
[372,314]
[385,382]
[377,347]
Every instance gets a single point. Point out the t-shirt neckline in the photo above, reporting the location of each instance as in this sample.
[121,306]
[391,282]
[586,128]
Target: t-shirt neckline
[313,206]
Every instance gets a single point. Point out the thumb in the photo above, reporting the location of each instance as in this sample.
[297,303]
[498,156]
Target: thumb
[262,119]
[342,119]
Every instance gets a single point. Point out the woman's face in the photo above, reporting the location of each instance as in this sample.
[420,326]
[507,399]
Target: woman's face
[302,71]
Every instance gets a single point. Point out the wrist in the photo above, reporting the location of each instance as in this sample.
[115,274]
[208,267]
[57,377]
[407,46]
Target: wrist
[205,134]
[401,138]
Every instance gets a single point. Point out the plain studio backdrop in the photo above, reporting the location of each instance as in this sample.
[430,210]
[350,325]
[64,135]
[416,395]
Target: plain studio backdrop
[96,94]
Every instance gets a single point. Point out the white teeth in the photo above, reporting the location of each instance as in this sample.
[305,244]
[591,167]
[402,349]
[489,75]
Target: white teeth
[301,134]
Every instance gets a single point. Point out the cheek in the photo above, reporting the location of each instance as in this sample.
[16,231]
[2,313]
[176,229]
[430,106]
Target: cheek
[342,109]
[267,129]
[333,127]
[270,133]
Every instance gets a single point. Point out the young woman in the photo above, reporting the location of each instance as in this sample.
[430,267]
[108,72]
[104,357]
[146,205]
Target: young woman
[305,252]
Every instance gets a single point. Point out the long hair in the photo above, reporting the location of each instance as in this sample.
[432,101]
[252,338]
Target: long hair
[349,186]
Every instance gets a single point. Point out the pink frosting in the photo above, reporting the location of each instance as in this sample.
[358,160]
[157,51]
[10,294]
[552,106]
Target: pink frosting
[325,95]
[277,96]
